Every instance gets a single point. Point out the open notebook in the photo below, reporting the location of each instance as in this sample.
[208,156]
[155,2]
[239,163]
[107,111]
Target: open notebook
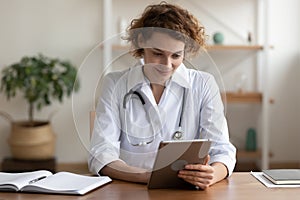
[44,181]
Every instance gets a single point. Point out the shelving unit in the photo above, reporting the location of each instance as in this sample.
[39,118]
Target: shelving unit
[259,96]
[241,97]
[248,154]
[234,47]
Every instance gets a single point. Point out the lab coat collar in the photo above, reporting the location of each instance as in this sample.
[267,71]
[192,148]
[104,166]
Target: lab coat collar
[181,77]
[136,77]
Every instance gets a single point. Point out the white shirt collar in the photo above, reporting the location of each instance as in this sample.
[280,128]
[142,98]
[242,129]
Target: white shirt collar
[181,76]
[136,76]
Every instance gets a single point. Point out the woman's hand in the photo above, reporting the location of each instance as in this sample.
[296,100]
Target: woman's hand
[203,175]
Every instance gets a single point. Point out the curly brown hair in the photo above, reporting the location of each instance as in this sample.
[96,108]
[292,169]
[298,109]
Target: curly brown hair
[171,19]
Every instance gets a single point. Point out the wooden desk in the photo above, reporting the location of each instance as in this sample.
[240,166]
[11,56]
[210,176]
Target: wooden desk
[240,186]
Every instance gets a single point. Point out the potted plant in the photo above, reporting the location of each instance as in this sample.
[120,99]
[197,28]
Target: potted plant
[41,80]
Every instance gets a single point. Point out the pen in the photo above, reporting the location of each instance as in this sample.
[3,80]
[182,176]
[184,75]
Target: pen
[37,179]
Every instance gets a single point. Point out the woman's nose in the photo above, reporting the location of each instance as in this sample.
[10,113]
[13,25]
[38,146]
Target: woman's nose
[167,62]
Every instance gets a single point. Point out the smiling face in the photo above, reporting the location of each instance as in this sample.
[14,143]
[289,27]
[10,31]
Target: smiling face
[162,56]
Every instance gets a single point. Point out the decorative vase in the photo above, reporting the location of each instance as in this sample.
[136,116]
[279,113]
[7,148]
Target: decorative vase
[218,38]
[251,140]
[32,143]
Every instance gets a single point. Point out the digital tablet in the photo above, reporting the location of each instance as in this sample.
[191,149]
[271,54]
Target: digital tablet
[171,157]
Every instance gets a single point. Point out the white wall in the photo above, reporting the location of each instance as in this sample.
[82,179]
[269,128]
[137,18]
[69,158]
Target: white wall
[284,80]
[69,29]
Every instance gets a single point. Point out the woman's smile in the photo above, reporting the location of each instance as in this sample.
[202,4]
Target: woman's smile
[163,72]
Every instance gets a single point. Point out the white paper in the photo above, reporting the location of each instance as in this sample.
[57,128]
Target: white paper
[259,176]
[67,183]
[18,180]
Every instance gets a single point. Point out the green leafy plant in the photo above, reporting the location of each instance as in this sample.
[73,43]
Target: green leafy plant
[41,80]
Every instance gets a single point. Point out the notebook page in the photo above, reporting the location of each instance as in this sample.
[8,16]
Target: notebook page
[20,179]
[67,183]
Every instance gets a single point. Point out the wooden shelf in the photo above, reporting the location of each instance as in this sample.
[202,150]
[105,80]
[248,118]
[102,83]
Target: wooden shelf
[234,47]
[16,165]
[243,97]
[119,47]
[241,154]
[246,160]
[248,154]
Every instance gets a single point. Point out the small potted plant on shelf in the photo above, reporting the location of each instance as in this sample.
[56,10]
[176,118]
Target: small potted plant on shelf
[41,80]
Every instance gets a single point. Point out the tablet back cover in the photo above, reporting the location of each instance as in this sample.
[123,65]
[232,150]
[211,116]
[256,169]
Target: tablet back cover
[171,157]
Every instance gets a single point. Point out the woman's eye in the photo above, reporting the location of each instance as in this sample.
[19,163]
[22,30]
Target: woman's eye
[176,56]
[157,53]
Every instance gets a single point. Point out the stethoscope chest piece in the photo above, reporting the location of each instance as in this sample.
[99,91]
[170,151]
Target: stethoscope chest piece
[177,135]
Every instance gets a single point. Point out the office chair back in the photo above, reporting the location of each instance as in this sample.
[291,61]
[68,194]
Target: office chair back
[92,119]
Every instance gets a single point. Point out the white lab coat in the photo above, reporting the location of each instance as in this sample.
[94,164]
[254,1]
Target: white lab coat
[203,117]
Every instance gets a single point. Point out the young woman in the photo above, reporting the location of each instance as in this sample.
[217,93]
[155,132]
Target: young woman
[148,103]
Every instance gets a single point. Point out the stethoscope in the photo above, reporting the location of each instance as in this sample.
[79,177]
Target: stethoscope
[177,135]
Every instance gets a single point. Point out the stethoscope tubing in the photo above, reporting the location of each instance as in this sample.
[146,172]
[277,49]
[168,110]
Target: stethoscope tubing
[177,134]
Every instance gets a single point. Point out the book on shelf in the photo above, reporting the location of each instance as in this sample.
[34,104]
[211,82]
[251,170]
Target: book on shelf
[43,181]
[283,176]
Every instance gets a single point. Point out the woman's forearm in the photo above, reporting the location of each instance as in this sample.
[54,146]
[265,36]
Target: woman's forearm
[120,170]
